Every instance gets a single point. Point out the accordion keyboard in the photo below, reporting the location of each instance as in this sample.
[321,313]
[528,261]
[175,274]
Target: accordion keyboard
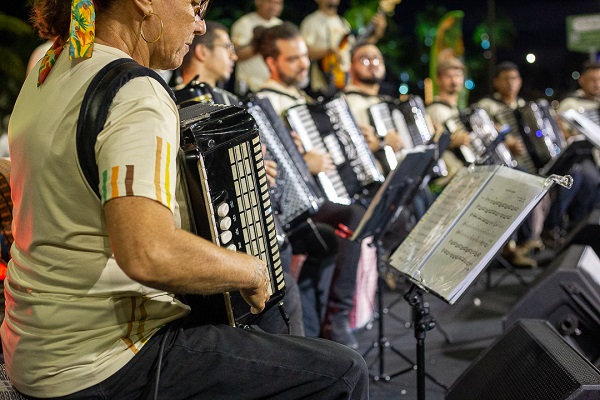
[294,200]
[228,199]
[363,163]
[303,124]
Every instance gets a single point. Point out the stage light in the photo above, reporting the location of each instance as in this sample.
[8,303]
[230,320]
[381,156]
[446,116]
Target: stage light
[530,58]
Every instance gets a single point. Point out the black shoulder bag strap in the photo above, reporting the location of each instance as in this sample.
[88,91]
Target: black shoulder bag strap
[94,110]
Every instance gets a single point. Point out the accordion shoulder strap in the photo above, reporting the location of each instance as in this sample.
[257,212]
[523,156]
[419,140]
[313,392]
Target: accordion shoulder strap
[94,110]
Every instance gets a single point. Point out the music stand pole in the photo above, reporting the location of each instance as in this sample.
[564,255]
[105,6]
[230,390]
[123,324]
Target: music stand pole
[422,322]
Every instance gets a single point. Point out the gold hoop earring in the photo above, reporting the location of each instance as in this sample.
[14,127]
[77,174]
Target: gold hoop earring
[150,14]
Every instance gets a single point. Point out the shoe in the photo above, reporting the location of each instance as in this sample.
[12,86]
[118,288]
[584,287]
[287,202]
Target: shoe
[339,330]
[533,245]
[521,260]
[518,256]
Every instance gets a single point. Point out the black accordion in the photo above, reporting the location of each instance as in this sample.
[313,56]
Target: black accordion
[330,128]
[228,199]
[406,117]
[487,146]
[295,195]
[194,92]
[541,134]
[535,124]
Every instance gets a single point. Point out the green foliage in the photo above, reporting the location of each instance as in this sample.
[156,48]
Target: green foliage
[504,32]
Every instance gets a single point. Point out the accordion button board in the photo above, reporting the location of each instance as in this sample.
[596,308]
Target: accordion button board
[228,194]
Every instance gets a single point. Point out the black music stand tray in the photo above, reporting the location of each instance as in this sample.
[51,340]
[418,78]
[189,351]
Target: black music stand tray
[396,193]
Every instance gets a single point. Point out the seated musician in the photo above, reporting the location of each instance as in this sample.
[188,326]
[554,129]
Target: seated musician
[212,59]
[91,314]
[501,106]
[450,77]
[586,99]
[286,56]
[367,72]
[324,31]
[575,203]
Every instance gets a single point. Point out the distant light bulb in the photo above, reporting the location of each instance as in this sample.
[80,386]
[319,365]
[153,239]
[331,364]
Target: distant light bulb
[530,58]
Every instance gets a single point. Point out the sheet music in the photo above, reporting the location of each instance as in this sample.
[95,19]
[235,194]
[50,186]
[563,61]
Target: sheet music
[466,227]
[432,227]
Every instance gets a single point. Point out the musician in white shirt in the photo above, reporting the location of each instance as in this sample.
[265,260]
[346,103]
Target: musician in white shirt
[211,60]
[251,71]
[286,55]
[450,78]
[574,203]
[587,98]
[367,71]
[92,279]
[324,31]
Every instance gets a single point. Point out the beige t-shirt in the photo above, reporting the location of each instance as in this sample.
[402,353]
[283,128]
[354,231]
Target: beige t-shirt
[324,31]
[253,71]
[578,102]
[281,97]
[359,104]
[73,318]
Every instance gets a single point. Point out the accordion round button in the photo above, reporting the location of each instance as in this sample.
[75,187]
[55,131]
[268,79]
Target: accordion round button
[226,237]
[225,223]
[222,210]
[232,247]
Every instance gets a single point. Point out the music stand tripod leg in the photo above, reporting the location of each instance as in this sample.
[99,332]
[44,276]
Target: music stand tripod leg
[382,343]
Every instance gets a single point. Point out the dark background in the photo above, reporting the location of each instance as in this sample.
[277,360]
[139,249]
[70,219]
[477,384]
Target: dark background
[529,26]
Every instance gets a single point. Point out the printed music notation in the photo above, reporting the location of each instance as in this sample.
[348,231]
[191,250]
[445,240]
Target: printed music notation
[466,227]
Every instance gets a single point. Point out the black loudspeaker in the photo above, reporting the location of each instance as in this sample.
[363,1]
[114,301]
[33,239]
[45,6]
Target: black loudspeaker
[530,361]
[567,295]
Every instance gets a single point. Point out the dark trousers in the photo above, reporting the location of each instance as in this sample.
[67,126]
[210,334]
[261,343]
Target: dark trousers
[314,283]
[341,295]
[578,201]
[220,362]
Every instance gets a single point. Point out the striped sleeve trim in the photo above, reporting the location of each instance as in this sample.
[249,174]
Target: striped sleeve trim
[125,180]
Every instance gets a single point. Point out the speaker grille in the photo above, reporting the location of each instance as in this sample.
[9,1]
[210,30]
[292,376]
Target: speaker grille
[529,362]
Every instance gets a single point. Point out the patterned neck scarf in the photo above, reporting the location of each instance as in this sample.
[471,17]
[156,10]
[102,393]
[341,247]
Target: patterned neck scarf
[81,37]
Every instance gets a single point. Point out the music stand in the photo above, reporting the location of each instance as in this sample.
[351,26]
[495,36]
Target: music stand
[396,193]
[460,235]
